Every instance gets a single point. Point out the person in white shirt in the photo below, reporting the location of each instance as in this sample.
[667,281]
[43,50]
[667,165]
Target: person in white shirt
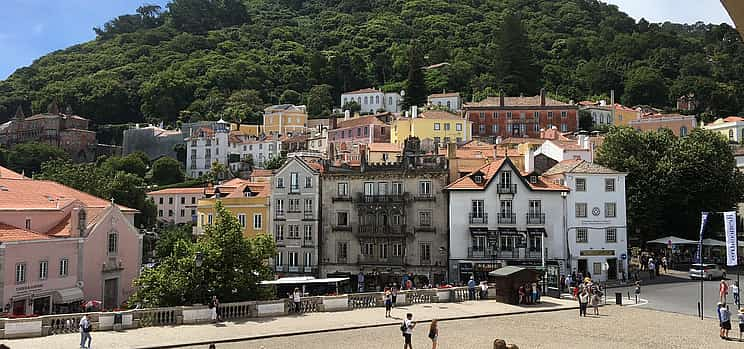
[735,292]
[741,322]
[85,328]
[297,299]
[409,326]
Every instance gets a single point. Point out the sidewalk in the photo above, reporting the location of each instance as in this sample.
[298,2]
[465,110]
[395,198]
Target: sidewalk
[153,337]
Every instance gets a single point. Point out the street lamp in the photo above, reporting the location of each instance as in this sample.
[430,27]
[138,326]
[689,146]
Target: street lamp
[198,262]
[564,195]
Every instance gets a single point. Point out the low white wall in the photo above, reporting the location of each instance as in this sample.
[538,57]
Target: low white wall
[22,328]
[444,295]
[270,309]
[106,322]
[401,298]
[197,315]
[335,303]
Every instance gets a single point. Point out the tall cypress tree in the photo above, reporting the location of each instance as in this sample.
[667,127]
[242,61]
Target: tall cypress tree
[517,68]
[416,91]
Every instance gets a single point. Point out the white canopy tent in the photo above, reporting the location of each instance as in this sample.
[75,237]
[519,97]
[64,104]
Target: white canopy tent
[713,242]
[674,240]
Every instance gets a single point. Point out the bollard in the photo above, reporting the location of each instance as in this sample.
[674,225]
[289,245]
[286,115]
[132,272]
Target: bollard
[628,295]
[636,299]
[618,298]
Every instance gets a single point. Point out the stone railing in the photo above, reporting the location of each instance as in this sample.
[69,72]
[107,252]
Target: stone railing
[174,316]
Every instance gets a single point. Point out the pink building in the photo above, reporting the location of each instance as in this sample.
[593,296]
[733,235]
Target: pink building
[60,246]
[345,136]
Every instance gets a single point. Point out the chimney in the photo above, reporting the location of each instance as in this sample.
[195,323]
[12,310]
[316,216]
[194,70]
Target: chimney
[333,123]
[542,96]
[501,98]
[451,150]
[529,160]
[362,157]
[414,112]
[347,113]
[74,222]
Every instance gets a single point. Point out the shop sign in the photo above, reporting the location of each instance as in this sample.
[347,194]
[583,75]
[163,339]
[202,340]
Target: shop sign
[28,288]
[589,253]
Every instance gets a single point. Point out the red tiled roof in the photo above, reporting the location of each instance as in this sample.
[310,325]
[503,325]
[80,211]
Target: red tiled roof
[439,115]
[568,145]
[733,119]
[488,170]
[578,166]
[62,229]
[173,191]
[10,174]
[42,194]
[445,95]
[364,90]
[533,101]
[384,147]
[359,121]
[262,173]
[262,190]
[10,233]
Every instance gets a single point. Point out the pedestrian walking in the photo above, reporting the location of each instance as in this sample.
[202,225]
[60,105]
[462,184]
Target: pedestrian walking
[664,264]
[534,293]
[434,333]
[583,303]
[595,303]
[214,305]
[212,346]
[297,299]
[394,292]
[569,282]
[723,290]
[388,301]
[471,288]
[85,328]
[484,290]
[521,295]
[724,318]
[651,268]
[735,292]
[741,322]
[407,329]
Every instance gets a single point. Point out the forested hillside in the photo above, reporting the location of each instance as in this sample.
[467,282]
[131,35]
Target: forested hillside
[198,59]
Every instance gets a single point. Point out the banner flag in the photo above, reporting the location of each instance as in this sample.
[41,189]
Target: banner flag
[729,221]
[699,254]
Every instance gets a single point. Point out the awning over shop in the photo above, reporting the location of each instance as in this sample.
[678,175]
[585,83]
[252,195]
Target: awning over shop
[537,231]
[67,295]
[675,241]
[713,242]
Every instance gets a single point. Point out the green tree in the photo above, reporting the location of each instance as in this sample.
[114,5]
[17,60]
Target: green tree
[167,170]
[290,97]
[518,71]
[353,107]
[416,91]
[232,267]
[319,101]
[218,172]
[135,163]
[28,157]
[169,236]
[244,106]
[275,163]
[645,85]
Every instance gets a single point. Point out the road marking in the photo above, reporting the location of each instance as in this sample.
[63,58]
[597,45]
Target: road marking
[641,301]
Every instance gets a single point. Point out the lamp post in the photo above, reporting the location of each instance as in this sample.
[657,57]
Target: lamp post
[564,195]
[198,262]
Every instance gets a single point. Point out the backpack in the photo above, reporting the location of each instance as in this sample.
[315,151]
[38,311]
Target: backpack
[87,328]
[403,328]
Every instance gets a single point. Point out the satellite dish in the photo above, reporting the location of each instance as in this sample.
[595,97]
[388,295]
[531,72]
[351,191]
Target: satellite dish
[80,284]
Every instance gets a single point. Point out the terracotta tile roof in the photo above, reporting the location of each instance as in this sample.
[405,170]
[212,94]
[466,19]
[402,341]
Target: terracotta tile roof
[41,194]
[316,166]
[578,166]
[568,145]
[360,121]
[384,147]
[516,102]
[262,190]
[470,153]
[262,173]
[174,191]
[477,144]
[518,140]
[439,115]
[364,90]
[488,170]
[733,119]
[62,229]
[445,95]
[10,174]
[9,233]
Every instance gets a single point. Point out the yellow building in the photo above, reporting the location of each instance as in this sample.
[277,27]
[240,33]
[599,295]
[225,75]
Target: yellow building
[731,127]
[247,130]
[437,125]
[248,201]
[284,119]
[383,153]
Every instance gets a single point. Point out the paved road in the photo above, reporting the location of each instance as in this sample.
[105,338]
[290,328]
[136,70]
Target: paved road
[679,297]
[622,328]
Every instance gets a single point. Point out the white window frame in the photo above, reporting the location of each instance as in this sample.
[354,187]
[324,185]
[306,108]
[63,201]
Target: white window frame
[20,273]
[241,219]
[611,235]
[112,248]
[580,210]
[610,210]
[397,250]
[581,184]
[43,270]
[582,235]
[609,184]
[257,221]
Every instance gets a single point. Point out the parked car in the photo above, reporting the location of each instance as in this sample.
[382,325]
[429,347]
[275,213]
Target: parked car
[707,271]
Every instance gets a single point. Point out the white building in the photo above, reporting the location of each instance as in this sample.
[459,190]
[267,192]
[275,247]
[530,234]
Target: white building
[560,150]
[177,205]
[498,217]
[372,100]
[261,149]
[295,211]
[206,145]
[450,101]
[595,218]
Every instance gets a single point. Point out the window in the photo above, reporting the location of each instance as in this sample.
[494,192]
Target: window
[308,182]
[28,223]
[437,126]
[447,127]
[307,233]
[506,208]
[20,273]
[183,200]
[536,114]
[343,189]
[582,235]
[610,208]
[564,128]
[425,218]
[580,184]
[209,219]
[397,188]
[366,130]
[241,219]
[522,116]
[160,201]
[495,115]
[366,100]
[382,188]
[535,207]
[359,132]
[390,100]
[279,207]
[458,127]
[183,213]
[294,182]
[397,250]
[279,232]
[308,259]
[506,179]
[294,231]
[397,220]
[293,260]
[368,249]
[425,252]
[170,213]
[342,218]
[43,270]
[581,210]
[425,188]
[113,242]
[309,205]
[482,115]
[564,115]
[342,249]
[383,251]
[294,205]
[64,267]
[550,115]
[683,131]
[611,234]
[279,258]
[609,184]
[437,140]
[279,182]
[160,213]
[257,221]
[535,242]
[495,128]
[477,209]
[170,201]
[193,200]
[482,129]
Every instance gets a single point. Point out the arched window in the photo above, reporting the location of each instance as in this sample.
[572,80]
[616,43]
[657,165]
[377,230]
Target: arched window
[366,100]
[377,99]
[731,135]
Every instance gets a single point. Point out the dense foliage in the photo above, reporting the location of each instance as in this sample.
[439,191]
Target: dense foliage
[205,59]
[232,267]
[665,193]
[27,158]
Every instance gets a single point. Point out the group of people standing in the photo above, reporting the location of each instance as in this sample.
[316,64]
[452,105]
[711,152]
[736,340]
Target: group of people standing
[722,309]
[407,327]
[529,293]
[588,293]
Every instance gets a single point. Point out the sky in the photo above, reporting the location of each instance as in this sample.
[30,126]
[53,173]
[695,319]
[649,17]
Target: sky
[30,29]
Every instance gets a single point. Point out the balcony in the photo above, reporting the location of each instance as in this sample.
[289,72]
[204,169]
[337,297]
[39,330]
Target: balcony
[535,218]
[380,199]
[341,227]
[308,243]
[507,188]
[279,215]
[294,189]
[487,253]
[278,268]
[390,260]
[292,269]
[425,197]
[341,198]
[507,218]
[374,230]
[478,218]
[425,229]
[308,216]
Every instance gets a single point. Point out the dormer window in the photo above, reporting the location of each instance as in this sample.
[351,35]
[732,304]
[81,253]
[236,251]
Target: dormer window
[533,179]
[478,179]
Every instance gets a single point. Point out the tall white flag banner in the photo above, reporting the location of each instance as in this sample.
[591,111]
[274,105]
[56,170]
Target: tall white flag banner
[729,221]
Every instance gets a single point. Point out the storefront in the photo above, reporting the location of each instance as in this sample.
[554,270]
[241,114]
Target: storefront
[601,264]
[35,300]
